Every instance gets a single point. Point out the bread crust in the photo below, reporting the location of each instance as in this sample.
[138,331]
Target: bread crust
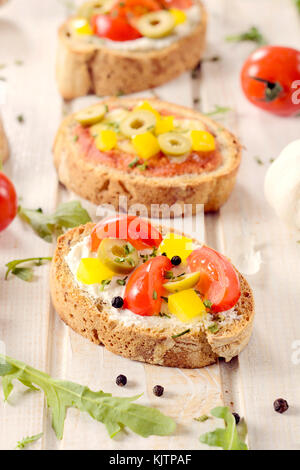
[89,318]
[103,71]
[102,184]
[4,148]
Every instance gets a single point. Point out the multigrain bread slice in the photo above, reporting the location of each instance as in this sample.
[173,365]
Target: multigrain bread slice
[90,319]
[4,149]
[102,184]
[89,68]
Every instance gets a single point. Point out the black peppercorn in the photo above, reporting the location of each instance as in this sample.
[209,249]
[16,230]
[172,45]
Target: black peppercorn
[176,260]
[117,302]
[158,390]
[121,380]
[237,418]
[280,405]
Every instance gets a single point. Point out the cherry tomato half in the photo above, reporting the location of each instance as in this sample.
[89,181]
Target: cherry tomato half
[140,233]
[114,28]
[145,287]
[134,8]
[8,202]
[219,282]
[270,79]
[180,4]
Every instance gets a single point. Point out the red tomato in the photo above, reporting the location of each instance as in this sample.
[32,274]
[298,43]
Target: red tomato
[140,233]
[145,287]
[8,202]
[219,282]
[136,8]
[181,4]
[114,28]
[270,79]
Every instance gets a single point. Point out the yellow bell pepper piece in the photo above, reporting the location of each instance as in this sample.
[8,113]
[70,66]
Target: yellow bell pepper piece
[176,245]
[145,145]
[203,141]
[186,305]
[82,27]
[106,140]
[92,271]
[164,124]
[147,106]
[178,15]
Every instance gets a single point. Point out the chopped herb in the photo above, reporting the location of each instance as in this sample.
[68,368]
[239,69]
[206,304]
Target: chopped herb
[253,34]
[165,299]
[122,282]
[20,119]
[26,274]
[143,167]
[114,412]
[3,79]
[202,418]
[154,252]
[207,303]
[214,58]
[259,160]
[76,137]
[214,328]
[154,295]
[120,93]
[272,160]
[28,440]
[180,275]
[181,334]
[218,110]
[297,3]
[19,62]
[162,314]
[133,163]
[169,275]
[2,66]
[104,283]
[120,260]
[128,248]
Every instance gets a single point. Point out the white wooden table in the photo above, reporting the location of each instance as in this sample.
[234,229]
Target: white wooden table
[245,229]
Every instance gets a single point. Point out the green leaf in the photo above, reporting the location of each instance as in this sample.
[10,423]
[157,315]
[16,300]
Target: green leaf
[228,438]
[26,274]
[218,110]
[253,34]
[114,412]
[28,440]
[297,3]
[67,215]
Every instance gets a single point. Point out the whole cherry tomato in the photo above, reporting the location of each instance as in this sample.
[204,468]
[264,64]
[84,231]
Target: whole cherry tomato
[8,202]
[114,28]
[270,79]
[180,4]
[145,287]
[219,282]
[140,233]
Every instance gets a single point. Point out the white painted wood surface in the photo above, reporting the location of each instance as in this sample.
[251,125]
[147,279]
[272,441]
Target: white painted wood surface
[245,229]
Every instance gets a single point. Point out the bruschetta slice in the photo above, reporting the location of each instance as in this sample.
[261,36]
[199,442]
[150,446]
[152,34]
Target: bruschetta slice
[4,149]
[152,152]
[112,47]
[153,297]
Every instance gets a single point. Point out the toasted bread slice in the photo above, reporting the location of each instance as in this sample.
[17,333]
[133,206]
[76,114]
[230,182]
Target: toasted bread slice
[103,184]
[4,149]
[142,341]
[83,68]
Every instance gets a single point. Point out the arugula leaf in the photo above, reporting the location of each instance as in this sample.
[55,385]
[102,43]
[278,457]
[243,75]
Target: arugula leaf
[67,215]
[26,274]
[228,438]
[28,440]
[253,34]
[218,110]
[114,412]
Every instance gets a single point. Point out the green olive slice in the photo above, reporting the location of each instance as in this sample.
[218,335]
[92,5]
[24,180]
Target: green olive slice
[138,122]
[94,7]
[174,144]
[118,255]
[91,115]
[156,24]
[186,281]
